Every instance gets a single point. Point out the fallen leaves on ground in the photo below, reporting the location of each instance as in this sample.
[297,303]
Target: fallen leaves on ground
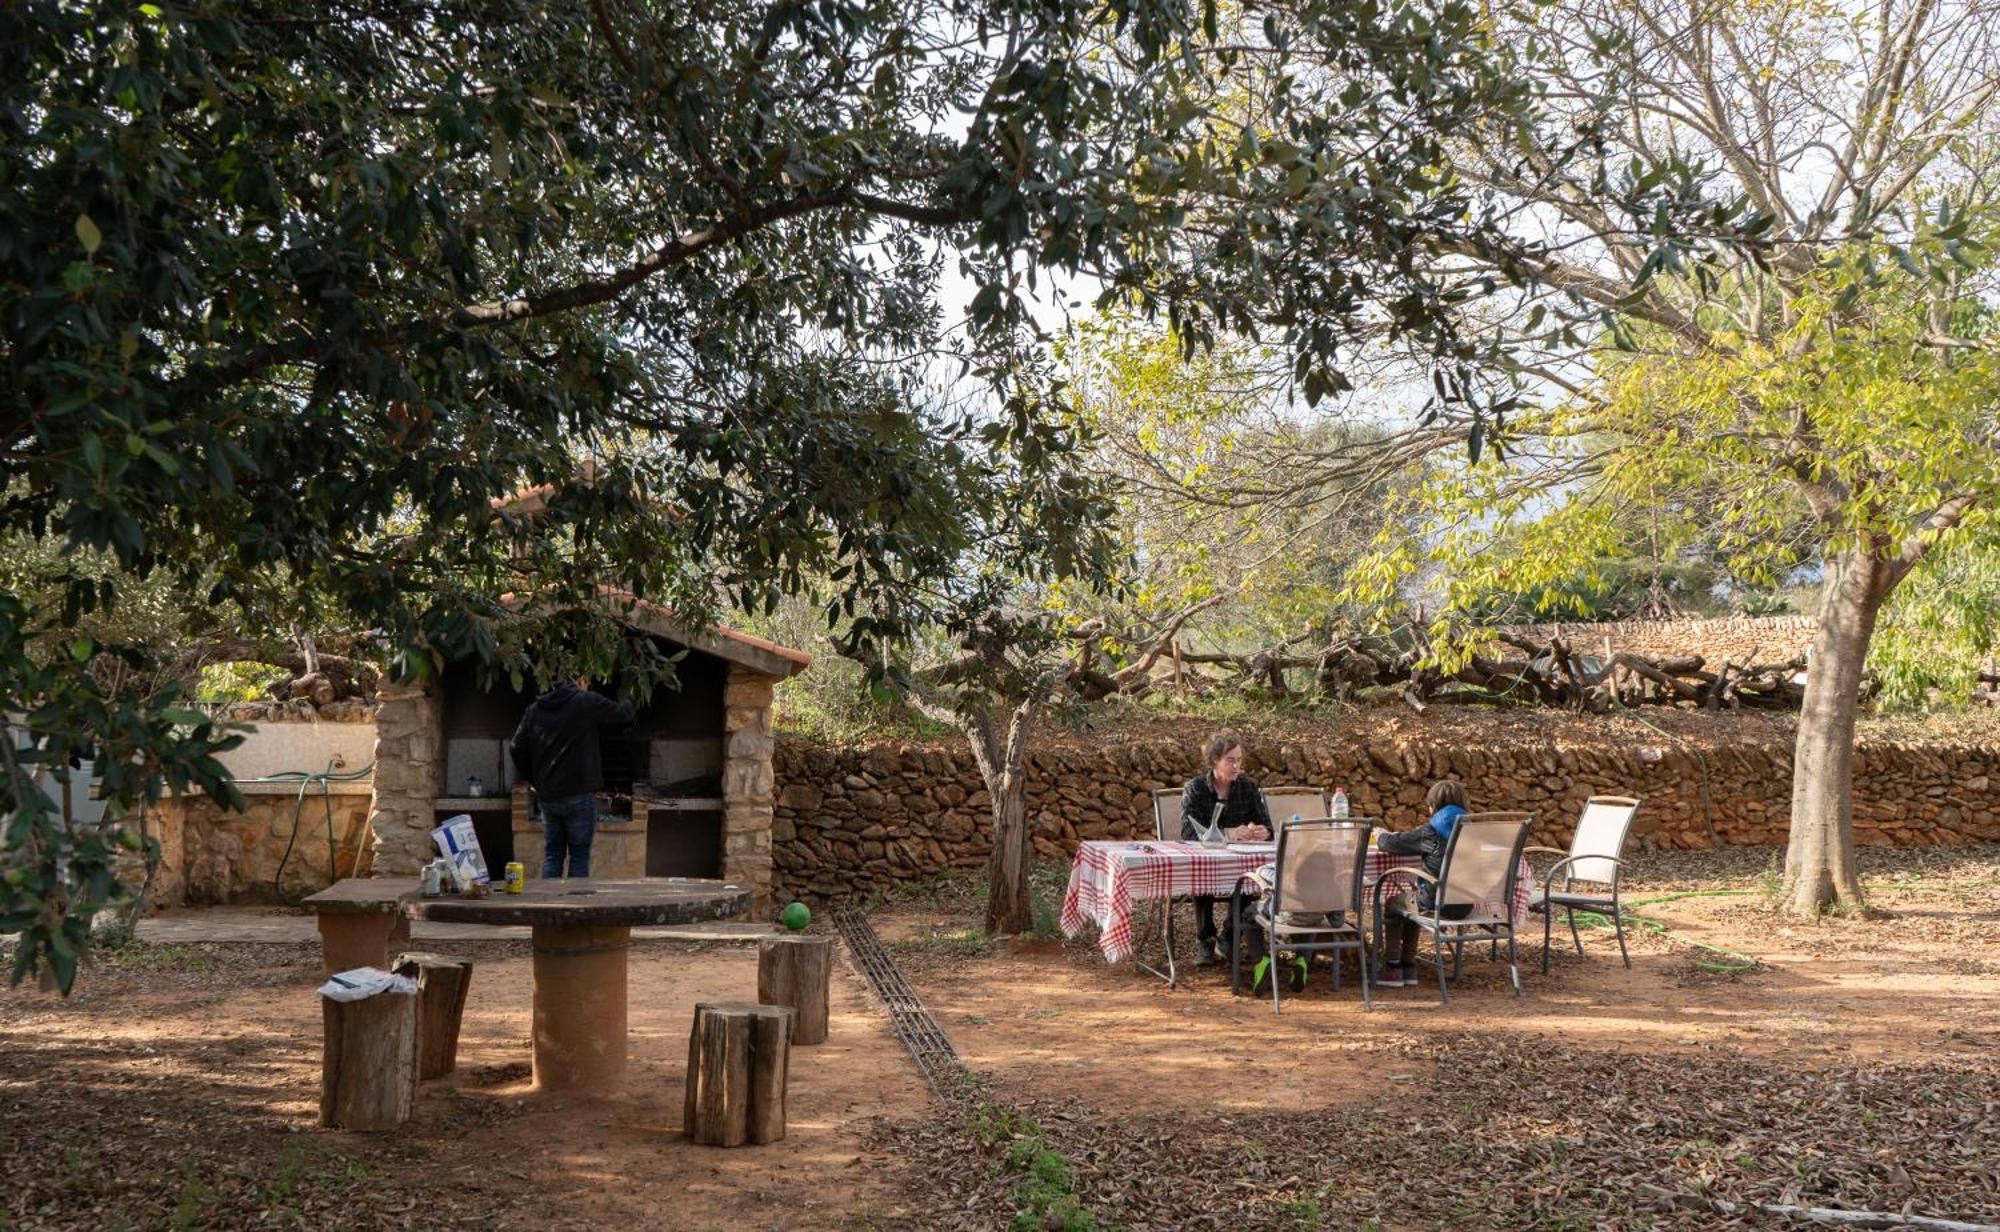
[1524,1132]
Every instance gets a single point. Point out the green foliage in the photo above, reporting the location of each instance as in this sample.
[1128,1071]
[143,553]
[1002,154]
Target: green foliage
[1938,632]
[1045,1197]
[1614,588]
[236,682]
[1228,500]
[1895,424]
[445,318]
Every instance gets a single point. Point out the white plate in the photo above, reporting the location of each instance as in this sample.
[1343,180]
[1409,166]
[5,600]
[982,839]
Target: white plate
[1253,849]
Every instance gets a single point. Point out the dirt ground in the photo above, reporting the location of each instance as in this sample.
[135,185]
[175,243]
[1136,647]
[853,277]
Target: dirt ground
[180,1088]
[1850,1063]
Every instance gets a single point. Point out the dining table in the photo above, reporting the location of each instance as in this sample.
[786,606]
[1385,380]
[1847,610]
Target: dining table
[582,937]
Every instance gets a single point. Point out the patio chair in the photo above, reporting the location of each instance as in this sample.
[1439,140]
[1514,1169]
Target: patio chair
[1481,863]
[1316,885]
[1167,829]
[1596,856]
[1308,802]
[1167,814]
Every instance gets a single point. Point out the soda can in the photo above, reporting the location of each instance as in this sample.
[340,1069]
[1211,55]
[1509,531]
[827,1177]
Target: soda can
[431,883]
[517,876]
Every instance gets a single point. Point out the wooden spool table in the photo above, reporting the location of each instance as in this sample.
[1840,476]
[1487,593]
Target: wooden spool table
[583,931]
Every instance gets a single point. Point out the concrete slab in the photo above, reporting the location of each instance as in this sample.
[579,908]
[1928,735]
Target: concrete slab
[267,925]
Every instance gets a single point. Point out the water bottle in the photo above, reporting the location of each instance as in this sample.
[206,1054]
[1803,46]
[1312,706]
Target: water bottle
[1340,802]
[473,787]
[1294,821]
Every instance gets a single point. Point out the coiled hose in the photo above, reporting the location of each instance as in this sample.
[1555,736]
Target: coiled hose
[305,779]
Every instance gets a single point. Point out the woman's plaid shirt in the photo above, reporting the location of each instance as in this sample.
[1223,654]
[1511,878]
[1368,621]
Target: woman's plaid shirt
[1245,805]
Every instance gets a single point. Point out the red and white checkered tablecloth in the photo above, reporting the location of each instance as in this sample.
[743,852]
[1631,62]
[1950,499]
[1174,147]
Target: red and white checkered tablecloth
[1108,878]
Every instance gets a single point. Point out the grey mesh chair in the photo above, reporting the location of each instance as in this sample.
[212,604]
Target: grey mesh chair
[1308,802]
[1480,870]
[1596,856]
[1167,814]
[1315,899]
[1167,829]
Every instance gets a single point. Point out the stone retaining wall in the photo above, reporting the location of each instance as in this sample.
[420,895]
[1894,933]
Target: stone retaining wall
[1743,639]
[853,821]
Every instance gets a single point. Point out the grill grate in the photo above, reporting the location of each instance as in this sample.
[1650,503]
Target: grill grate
[925,1041]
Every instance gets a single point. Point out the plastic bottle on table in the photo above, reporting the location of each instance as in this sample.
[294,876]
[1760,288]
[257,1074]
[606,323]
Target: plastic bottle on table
[1340,802]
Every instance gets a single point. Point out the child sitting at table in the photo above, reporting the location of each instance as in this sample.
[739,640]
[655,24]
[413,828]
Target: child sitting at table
[1446,804]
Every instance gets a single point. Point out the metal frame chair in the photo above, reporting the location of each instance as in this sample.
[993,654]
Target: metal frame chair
[1320,871]
[1166,829]
[1473,857]
[1597,855]
[1310,803]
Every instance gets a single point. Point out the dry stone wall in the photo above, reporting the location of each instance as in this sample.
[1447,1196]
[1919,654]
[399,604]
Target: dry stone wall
[1741,639]
[850,821]
[211,855]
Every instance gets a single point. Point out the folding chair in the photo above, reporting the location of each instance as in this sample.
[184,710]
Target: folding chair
[1596,855]
[1479,873]
[1316,883]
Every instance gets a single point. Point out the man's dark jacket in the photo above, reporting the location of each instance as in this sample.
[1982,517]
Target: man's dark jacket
[556,747]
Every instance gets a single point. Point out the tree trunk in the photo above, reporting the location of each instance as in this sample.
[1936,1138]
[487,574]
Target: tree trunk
[1002,758]
[1819,860]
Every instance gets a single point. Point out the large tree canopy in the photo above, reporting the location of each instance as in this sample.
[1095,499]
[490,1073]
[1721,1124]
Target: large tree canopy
[302,292]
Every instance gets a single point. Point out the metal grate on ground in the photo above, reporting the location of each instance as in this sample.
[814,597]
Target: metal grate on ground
[925,1041]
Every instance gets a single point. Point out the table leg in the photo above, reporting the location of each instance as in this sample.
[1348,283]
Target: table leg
[351,939]
[579,1033]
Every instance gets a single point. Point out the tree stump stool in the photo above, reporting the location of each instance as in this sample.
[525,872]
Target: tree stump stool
[368,1077]
[442,983]
[739,1058]
[796,971]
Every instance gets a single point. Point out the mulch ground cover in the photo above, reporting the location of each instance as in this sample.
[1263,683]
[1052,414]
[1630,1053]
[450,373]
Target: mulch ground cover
[1508,1133]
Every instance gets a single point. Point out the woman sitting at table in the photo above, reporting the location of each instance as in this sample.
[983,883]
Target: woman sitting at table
[1221,795]
[1446,804]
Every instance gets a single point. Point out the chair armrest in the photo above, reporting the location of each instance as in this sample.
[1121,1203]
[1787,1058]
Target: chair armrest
[1554,851]
[1549,877]
[1414,873]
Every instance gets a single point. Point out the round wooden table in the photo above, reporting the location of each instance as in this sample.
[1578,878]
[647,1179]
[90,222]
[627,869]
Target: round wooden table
[583,930]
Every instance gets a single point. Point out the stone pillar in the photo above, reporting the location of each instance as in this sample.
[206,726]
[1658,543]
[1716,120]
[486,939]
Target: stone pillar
[407,750]
[747,784]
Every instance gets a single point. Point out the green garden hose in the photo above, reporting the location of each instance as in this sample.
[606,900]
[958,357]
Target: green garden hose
[305,779]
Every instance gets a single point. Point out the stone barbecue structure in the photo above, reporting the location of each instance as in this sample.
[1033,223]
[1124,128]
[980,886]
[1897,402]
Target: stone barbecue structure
[688,786]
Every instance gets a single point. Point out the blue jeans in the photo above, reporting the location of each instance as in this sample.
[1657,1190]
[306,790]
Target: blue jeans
[568,826]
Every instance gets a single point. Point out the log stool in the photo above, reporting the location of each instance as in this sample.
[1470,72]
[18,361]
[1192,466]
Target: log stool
[795,971]
[368,1078]
[739,1058]
[442,982]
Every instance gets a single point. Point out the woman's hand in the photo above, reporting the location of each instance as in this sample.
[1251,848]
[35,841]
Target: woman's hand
[1252,833]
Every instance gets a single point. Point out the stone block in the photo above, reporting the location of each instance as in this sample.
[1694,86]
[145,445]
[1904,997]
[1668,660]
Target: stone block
[802,796]
[746,718]
[750,744]
[740,818]
[746,780]
[744,688]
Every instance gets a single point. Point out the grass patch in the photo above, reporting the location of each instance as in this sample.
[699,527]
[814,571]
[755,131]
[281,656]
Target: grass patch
[191,1204]
[1045,1197]
[136,955]
[949,942]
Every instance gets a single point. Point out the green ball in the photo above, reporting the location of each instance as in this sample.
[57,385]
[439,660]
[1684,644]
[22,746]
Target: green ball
[795,916]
